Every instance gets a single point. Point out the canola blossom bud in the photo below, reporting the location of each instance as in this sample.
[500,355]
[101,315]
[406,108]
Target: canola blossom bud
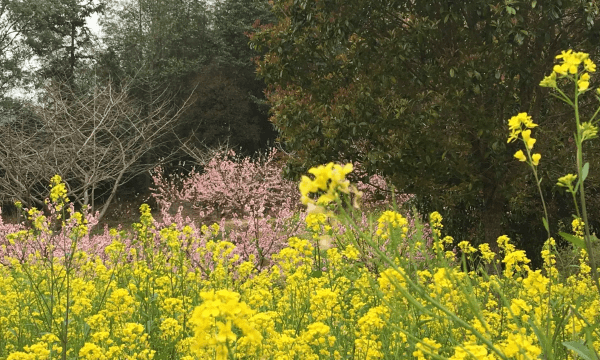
[588,131]
[589,65]
[567,180]
[549,81]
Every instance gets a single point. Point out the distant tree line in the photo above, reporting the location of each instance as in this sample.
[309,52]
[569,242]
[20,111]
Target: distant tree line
[100,112]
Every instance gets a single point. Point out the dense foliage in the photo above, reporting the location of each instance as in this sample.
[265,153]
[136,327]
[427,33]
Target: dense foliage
[182,47]
[419,92]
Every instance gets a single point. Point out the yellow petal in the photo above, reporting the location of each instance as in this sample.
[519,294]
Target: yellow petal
[520,156]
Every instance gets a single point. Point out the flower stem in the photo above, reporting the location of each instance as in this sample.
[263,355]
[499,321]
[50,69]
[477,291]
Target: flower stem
[587,237]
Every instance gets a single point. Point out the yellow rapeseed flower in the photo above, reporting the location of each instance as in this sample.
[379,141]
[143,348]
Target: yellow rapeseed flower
[486,254]
[589,65]
[549,81]
[517,123]
[58,191]
[529,141]
[584,82]
[390,220]
[588,131]
[466,247]
[519,155]
[330,178]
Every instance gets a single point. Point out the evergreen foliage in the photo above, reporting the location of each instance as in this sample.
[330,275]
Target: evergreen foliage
[421,92]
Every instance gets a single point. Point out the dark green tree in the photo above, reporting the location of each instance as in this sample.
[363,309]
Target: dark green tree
[185,46]
[421,92]
[13,53]
[162,40]
[57,32]
[241,94]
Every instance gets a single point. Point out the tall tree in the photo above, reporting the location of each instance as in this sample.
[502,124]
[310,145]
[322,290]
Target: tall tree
[240,94]
[184,46]
[96,141]
[421,92]
[58,34]
[13,53]
[165,41]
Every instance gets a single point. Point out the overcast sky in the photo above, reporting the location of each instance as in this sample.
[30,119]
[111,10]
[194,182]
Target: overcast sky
[92,22]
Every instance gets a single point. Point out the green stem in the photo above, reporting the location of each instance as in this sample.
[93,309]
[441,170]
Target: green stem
[537,182]
[576,205]
[436,304]
[587,237]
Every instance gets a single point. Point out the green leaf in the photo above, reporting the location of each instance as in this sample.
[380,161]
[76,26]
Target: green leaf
[511,10]
[546,224]
[581,350]
[451,72]
[584,171]
[533,4]
[573,240]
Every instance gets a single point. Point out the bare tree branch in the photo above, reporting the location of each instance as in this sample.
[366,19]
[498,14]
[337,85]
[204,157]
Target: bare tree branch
[96,142]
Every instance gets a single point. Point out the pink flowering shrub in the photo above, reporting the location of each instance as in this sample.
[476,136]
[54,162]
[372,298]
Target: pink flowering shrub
[230,185]
[56,232]
[259,211]
[257,208]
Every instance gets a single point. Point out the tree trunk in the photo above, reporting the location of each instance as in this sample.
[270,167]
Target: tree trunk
[491,219]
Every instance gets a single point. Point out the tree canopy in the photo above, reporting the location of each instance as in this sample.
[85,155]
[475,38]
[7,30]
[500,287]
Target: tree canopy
[421,92]
[192,46]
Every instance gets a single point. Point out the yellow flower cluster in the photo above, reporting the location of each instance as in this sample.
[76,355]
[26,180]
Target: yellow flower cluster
[178,296]
[214,322]
[58,192]
[522,124]
[567,181]
[314,221]
[570,63]
[330,179]
[390,220]
[285,312]
[435,220]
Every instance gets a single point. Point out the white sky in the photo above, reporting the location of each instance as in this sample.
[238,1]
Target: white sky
[92,22]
